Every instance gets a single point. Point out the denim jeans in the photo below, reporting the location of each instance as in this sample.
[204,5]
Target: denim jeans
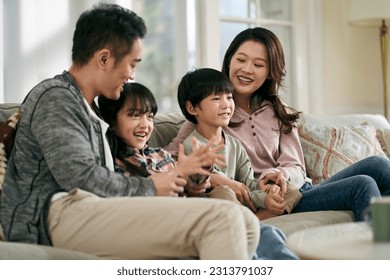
[272,245]
[349,189]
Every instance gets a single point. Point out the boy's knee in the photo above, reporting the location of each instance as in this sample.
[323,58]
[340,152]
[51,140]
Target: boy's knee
[223,192]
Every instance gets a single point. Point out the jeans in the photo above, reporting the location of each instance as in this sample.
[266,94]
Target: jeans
[272,245]
[350,189]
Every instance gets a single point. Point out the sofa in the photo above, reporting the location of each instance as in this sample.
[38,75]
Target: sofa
[329,143]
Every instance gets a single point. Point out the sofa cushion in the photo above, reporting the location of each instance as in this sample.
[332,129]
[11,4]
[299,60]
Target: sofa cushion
[23,251]
[6,109]
[329,149]
[1,234]
[166,127]
[7,133]
[290,223]
[383,135]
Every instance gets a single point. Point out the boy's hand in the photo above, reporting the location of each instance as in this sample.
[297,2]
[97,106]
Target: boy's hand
[274,183]
[200,160]
[168,183]
[197,189]
[242,194]
[274,203]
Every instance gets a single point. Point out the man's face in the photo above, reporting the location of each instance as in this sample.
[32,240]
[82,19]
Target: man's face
[118,74]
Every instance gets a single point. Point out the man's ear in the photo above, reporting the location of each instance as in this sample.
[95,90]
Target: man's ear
[102,58]
[191,109]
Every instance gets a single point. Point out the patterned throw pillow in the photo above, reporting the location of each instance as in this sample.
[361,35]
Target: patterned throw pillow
[7,133]
[383,135]
[329,149]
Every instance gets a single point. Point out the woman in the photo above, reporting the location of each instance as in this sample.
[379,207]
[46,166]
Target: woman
[255,64]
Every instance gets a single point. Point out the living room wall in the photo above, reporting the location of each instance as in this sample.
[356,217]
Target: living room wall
[352,73]
[351,80]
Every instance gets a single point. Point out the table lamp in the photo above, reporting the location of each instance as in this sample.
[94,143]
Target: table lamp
[374,13]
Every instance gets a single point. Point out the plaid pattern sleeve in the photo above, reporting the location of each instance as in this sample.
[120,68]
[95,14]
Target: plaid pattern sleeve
[144,162]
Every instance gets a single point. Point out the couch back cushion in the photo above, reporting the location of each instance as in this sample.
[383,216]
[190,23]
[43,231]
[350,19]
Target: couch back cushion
[166,127]
[9,117]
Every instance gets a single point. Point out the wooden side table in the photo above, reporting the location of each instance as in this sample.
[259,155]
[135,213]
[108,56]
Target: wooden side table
[338,241]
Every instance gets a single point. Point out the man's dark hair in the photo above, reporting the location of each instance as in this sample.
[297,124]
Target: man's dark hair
[106,26]
[197,85]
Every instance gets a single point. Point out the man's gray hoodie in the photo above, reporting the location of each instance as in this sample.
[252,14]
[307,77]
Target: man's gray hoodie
[58,147]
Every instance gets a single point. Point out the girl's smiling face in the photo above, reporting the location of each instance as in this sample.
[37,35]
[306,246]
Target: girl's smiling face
[133,127]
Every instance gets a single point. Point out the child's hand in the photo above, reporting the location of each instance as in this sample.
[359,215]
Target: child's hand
[274,183]
[200,160]
[197,189]
[242,194]
[274,203]
[168,183]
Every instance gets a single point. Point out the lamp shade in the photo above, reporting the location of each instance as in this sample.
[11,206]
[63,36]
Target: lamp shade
[369,12]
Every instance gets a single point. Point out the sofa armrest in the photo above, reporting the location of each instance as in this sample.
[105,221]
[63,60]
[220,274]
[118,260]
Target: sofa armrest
[6,109]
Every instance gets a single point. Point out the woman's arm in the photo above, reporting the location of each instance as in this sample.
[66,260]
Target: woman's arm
[291,160]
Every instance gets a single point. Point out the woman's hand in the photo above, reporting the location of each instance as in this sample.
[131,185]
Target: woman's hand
[168,183]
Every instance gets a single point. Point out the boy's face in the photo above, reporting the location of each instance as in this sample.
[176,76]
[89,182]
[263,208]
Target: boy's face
[215,110]
[134,128]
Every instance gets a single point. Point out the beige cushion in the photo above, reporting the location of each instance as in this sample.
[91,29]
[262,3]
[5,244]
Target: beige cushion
[376,120]
[290,223]
[7,133]
[166,127]
[329,149]
[1,234]
[383,135]
[23,251]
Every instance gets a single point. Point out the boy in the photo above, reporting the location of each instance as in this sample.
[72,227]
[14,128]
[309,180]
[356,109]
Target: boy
[205,98]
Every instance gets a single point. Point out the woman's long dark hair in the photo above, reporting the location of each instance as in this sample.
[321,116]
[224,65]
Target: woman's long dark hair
[276,64]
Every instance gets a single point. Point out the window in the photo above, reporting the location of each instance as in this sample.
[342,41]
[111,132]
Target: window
[182,35]
[169,48]
[276,15]
[297,23]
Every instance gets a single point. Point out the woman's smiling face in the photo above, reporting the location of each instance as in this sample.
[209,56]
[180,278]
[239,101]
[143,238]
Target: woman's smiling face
[249,67]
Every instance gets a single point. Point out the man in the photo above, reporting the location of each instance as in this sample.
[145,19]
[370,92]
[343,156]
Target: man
[60,188]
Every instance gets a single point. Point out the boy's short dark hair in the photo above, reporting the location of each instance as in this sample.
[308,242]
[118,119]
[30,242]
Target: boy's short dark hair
[139,96]
[198,84]
[106,26]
